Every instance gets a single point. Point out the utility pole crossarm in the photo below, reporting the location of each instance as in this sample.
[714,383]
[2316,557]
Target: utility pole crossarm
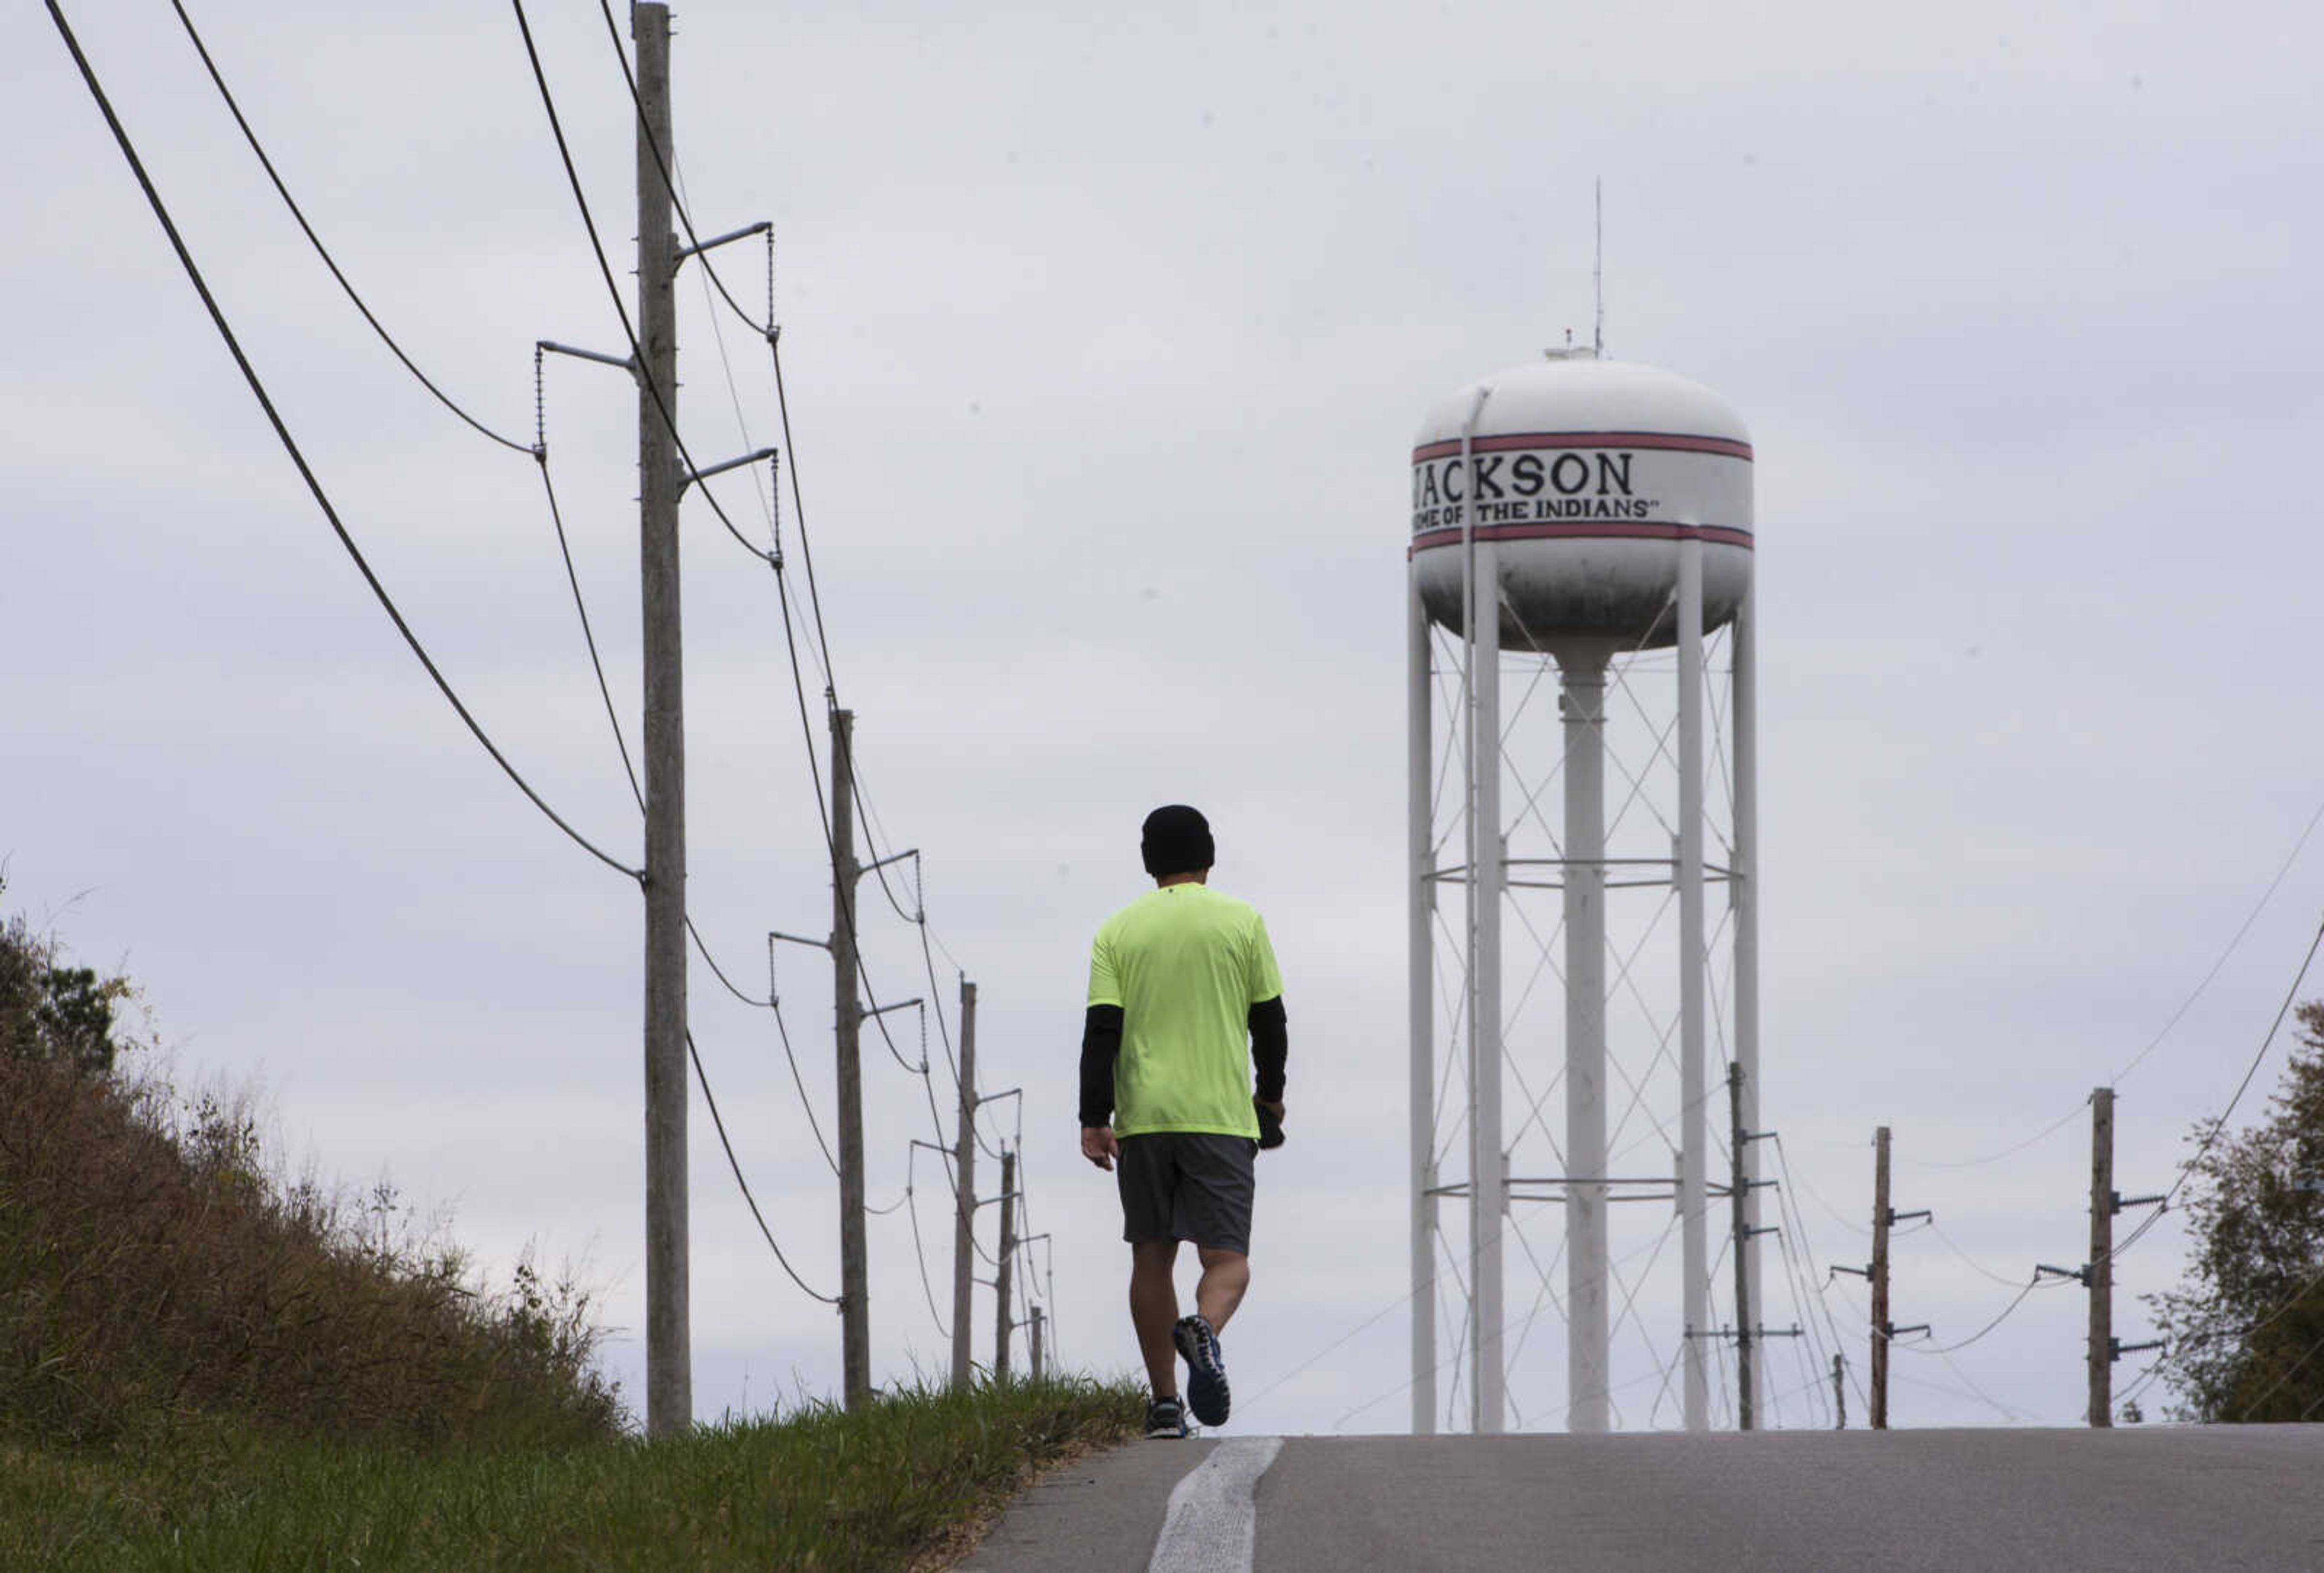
[748,230]
[624,362]
[719,469]
[892,856]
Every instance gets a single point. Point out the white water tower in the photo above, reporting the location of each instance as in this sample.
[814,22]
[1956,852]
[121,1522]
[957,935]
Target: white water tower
[1596,517]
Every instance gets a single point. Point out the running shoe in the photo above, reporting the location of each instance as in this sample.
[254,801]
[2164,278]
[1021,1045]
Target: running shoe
[1164,1418]
[1206,1370]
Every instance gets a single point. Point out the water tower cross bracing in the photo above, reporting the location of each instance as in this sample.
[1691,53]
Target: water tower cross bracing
[1593,518]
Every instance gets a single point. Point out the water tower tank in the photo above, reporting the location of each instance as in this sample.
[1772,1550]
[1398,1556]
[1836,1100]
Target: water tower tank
[1588,475]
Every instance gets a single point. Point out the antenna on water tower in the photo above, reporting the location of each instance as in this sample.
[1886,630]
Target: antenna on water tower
[1598,268]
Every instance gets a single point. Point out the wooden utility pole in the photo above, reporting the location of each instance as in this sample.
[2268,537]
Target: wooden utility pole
[964,1172]
[1880,1328]
[1037,1343]
[1739,1191]
[1839,1394]
[1002,1324]
[854,1269]
[2101,1258]
[670,1378]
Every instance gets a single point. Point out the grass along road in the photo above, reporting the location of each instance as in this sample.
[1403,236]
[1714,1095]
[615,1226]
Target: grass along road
[897,1486]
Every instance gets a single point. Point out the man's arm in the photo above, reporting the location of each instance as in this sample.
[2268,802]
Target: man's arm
[1270,1048]
[1101,1045]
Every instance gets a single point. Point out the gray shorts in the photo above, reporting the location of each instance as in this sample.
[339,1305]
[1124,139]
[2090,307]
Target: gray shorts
[1187,1185]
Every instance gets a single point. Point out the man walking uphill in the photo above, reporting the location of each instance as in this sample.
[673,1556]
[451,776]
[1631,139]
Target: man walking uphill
[1184,996]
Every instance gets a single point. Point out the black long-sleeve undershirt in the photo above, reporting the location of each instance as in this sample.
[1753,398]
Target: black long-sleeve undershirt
[1101,1045]
[1271,1051]
[1271,1047]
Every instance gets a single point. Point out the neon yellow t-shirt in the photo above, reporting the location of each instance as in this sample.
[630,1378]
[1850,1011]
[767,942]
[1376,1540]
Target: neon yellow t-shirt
[1185,963]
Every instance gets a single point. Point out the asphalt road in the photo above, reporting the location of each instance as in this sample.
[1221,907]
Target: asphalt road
[2144,1498]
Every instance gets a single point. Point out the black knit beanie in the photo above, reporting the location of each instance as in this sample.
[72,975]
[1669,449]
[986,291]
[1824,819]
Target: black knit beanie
[1177,840]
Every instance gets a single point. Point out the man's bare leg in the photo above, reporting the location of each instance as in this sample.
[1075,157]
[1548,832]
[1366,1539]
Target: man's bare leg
[1154,1309]
[1225,1275]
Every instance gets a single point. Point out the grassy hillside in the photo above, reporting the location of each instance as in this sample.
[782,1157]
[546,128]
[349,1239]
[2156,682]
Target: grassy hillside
[151,1273]
[203,1366]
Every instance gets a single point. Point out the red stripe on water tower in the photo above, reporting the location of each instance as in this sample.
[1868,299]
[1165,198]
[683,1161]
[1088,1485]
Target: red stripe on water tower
[1514,441]
[1594,529]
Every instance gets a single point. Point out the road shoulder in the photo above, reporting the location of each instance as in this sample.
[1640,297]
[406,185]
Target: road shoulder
[1102,1510]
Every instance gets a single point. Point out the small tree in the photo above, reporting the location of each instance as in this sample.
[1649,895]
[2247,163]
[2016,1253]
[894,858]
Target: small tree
[48,1010]
[2246,1326]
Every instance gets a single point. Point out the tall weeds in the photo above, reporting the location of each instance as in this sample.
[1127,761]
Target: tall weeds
[152,1271]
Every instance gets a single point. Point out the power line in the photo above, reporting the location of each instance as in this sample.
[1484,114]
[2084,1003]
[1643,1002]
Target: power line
[1785,1199]
[2155,1371]
[784,1032]
[2016,1416]
[2006,1312]
[282,433]
[2257,907]
[1976,1266]
[2277,1385]
[2068,1118]
[919,920]
[605,270]
[734,1163]
[645,130]
[919,1253]
[2187,1169]
[799,503]
[588,636]
[613,717]
[2233,943]
[316,241]
[597,666]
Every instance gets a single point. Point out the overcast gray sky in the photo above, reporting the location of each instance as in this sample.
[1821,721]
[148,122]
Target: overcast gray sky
[1109,331]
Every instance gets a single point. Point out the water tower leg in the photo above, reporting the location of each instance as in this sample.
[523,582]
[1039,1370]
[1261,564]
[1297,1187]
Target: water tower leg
[1488,1169]
[1583,702]
[1744,723]
[1694,1232]
[1421,985]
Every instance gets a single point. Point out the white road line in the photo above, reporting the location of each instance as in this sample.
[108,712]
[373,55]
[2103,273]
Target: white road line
[1213,1520]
